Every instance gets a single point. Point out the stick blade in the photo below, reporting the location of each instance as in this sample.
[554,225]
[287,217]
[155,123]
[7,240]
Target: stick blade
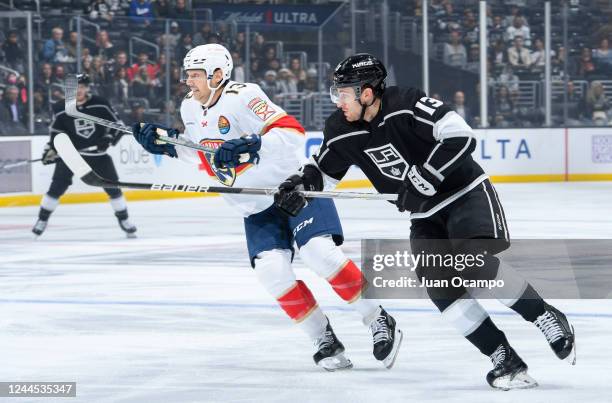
[70,155]
[70,89]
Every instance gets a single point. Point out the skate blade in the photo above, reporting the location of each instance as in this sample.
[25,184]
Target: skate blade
[131,236]
[571,358]
[522,380]
[390,359]
[336,363]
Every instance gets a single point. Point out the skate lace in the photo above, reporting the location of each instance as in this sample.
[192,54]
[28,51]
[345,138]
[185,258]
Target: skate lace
[549,325]
[380,330]
[325,341]
[498,355]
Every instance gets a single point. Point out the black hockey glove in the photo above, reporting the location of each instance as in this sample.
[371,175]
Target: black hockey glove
[49,155]
[288,199]
[104,142]
[418,186]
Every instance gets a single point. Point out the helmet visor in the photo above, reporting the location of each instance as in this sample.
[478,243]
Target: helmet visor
[343,95]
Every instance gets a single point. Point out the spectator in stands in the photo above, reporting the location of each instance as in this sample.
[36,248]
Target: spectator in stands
[312,81]
[87,66]
[201,37]
[518,55]
[141,84]
[470,28]
[255,70]
[119,92]
[45,78]
[72,45]
[13,105]
[59,74]
[42,114]
[448,21]
[182,14]
[508,78]
[143,61]
[499,55]
[288,82]
[297,70]
[185,46]
[100,9]
[602,56]
[575,105]
[137,115]
[141,12]
[239,43]
[98,72]
[454,52]
[257,47]
[597,105]
[54,49]
[273,64]
[104,47]
[500,122]
[222,33]
[586,66]
[515,12]
[461,108]
[518,28]
[161,8]
[497,31]
[14,55]
[558,63]
[538,57]
[120,60]
[270,85]
[86,55]
[238,73]
[171,39]
[473,62]
[502,104]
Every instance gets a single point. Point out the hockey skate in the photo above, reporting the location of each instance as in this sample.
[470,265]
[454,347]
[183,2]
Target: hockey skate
[510,371]
[387,338]
[39,228]
[330,352]
[558,332]
[125,224]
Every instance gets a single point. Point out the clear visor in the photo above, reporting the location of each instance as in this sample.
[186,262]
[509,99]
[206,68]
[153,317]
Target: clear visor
[343,95]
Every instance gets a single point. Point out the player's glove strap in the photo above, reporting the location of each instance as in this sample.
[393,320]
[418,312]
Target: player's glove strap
[418,186]
[147,137]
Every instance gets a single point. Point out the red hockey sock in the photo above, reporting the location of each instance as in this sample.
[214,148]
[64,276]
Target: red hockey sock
[298,302]
[348,282]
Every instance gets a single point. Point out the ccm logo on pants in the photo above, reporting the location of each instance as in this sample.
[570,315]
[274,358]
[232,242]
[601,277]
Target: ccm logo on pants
[302,225]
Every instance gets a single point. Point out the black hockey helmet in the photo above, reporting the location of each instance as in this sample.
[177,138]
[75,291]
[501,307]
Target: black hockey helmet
[360,71]
[83,79]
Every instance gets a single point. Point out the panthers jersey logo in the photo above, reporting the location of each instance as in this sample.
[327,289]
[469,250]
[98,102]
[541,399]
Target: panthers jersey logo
[226,176]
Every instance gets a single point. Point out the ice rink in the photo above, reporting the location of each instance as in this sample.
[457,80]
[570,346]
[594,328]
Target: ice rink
[177,315]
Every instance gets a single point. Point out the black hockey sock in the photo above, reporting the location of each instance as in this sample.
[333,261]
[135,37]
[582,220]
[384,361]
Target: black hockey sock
[530,305]
[121,215]
[44,214]
[487,337]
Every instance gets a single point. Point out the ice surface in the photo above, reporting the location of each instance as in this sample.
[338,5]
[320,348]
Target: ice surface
[177,315]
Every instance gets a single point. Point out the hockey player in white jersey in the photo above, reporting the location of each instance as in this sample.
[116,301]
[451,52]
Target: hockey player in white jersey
[256,145]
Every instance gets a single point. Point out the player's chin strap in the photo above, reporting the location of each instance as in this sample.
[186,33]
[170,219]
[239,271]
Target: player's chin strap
[213,91]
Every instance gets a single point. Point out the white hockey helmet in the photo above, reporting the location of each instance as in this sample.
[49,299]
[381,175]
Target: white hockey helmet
[209,57]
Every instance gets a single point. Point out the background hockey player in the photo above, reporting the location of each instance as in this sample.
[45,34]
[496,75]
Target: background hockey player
[238,119]
[416,146]
[94,140]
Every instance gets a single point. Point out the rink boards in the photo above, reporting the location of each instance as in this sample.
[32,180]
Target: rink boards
[507,155]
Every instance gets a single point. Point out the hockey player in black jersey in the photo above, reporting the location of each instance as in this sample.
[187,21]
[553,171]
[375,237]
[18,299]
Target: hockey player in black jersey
[417,147]
[93,141]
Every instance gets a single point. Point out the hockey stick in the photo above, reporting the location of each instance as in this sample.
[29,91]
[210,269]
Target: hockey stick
[81,169]
[71,85]
[20,163]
